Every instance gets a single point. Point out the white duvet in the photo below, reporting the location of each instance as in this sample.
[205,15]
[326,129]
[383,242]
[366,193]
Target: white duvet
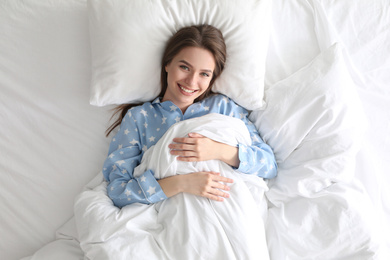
[315,124]
[315,207]
[184,226]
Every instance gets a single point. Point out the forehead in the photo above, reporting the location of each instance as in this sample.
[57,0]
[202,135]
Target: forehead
[198,58]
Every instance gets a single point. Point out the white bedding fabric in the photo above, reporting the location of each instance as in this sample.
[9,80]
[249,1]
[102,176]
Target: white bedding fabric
[316,159]
[52,140]
[184,226]
[121,64]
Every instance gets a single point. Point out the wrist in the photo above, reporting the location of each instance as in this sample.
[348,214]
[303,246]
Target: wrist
[172,185]
[229,155]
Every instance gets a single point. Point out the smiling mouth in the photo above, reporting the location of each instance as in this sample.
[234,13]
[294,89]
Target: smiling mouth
[186,90]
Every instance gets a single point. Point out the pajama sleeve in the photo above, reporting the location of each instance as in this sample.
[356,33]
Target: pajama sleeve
[258,158]
[125,153]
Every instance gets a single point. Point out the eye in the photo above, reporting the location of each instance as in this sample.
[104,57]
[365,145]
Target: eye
[184,67]
[204,74]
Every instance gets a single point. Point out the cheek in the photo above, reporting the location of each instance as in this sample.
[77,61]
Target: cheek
[205,83]
[174,76]
[170,78]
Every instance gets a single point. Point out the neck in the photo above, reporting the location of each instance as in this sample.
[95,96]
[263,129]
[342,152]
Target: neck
[182,107]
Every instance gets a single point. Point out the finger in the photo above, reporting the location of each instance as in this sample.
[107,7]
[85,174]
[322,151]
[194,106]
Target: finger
[187,159]
[215,197]
[182,153]
[188,147]
[184,140]
[220,186]
[218,177]
[218,193]
[212,197]
[223,179]
[195,135]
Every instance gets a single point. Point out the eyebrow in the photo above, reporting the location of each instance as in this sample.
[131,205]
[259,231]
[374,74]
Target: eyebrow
[189,65]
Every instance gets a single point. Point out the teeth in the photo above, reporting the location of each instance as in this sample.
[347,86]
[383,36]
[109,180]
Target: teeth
[187,90]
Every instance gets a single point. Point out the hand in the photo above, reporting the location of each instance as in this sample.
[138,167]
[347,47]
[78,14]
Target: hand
[206,184]
[194,148]
[197,147]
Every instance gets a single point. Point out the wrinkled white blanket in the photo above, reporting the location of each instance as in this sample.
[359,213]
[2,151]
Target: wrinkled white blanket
[184,226]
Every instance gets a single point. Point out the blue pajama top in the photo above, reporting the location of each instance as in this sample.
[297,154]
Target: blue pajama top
[144,125]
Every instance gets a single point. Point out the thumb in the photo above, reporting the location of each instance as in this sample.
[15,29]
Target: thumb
[195,135]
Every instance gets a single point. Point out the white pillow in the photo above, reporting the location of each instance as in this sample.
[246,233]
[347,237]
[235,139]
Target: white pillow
[128,38]
[314,122]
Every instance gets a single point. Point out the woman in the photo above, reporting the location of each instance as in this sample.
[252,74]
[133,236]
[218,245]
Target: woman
[193,59]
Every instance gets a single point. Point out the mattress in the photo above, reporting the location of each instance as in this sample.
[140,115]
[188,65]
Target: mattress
[52,140]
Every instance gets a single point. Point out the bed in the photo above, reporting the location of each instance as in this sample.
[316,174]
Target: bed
[325,103]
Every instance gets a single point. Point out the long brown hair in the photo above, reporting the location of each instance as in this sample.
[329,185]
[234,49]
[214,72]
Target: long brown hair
[203,36]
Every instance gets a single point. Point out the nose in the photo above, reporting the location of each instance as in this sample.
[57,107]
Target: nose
[190,79]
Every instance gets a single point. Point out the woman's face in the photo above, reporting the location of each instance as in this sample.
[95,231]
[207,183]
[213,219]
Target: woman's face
[189,76]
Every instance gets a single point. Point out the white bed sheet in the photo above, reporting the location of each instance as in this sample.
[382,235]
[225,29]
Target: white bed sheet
[52,141]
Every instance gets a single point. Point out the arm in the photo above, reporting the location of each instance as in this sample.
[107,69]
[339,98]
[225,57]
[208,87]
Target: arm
[125,154]
[257,159]
[205,184]
[200,148]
